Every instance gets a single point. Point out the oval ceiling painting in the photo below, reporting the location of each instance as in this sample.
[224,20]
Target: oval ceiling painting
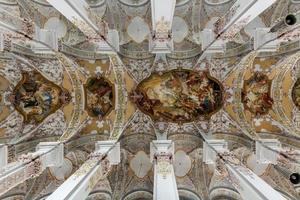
[179,96]
[35,97]
[296,93]
[256,94]
[99,97]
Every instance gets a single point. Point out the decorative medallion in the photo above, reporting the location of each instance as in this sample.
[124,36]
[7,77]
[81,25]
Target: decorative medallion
[179,96]
[296,93]
[35,97]
[256,94]
[99,97]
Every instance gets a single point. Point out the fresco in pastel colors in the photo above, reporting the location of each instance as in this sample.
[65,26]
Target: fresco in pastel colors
[99,97]
[179,96]
[35,97]
[256,94]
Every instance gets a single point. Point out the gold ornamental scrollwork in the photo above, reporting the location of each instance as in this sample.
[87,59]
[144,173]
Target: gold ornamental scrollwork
[121,97]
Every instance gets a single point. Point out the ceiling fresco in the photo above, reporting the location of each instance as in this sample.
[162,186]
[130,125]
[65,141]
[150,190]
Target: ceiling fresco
[79,95]
[99,97]
[179,96]
[256,94]
[35,97]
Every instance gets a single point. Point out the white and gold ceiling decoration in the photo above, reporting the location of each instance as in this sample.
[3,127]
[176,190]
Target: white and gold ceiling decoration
[80,95]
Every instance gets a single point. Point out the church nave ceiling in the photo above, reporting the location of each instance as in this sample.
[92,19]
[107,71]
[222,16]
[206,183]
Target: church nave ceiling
[87,90]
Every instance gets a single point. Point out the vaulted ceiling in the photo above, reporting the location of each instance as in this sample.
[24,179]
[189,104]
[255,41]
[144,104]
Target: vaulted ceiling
[82,96]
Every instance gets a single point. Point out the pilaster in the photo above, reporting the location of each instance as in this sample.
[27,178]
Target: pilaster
[81,183]
[161,40]
[162,155]
[249,185]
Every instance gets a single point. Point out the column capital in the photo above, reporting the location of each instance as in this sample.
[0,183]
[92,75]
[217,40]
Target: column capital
[111,148]
[49,41]
[161,40]
[208,40]
[162,155]
[81,183]
[97,31]
[31,165]
[210,149]
[248,184]
[54,156]
[109,44]
[264,40]
[266,151]
[162,150]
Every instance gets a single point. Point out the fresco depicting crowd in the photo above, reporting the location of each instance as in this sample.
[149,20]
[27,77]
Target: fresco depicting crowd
[179,95]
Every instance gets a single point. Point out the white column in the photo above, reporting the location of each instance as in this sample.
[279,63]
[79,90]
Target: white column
[47,154]
[209,44]
[287,23]
[270,151]
[113,39]
[162,17]
[3,155]
[164,186]
[239,16]
[209,153]
[79,13]
[269,39]
[264,40]
[248,184]
[82,182]
[266,151]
